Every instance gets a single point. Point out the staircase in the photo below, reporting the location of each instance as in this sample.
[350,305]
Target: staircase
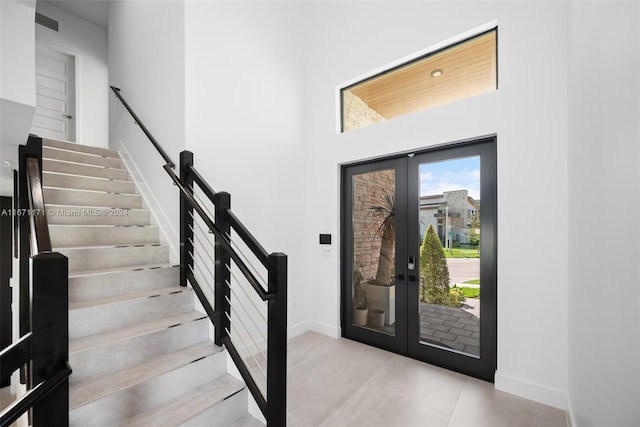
[140,352]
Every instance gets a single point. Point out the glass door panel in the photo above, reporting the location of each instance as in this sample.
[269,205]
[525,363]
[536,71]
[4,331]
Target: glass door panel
[419,255]
[449,221]
[373,280]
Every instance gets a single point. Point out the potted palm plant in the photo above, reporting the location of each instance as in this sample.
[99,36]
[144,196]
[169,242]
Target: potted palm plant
[385,215]
[360,306]
[381,290]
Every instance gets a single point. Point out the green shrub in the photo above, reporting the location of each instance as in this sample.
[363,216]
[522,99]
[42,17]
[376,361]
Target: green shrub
[456,297]
[433,269]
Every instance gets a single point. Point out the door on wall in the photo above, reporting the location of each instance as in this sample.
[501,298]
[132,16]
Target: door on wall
[54,116]
[419,256]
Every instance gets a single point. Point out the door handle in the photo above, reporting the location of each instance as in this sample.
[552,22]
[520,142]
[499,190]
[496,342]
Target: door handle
[400,276]
[413,278]
[68,116]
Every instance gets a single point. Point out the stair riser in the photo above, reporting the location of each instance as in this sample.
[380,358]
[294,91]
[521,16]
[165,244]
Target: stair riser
[87,259]
[119,355]
[80,148]
[69,236]
[85,159]
[87,183]
[107,285]
[58,196]
[77,215]
[107,317]
[223,414]
[131,401]
[84,170]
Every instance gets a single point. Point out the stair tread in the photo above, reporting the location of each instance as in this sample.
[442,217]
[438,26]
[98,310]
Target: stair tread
[102,338]
[95,389]
[115,156]
[126,245]
[121,269]
[82,158]
[182,408]
[151,293]
[72,146]
[87,191]
[44,169]
[67,206]
[102,226]
[96,178]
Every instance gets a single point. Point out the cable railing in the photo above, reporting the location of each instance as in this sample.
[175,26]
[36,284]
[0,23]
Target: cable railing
[42,352]
[241,287]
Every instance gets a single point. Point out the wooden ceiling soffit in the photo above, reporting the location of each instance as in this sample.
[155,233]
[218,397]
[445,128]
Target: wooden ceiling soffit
[467,69]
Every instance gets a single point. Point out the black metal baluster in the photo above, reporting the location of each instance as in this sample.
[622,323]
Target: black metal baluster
[222,202]
[186,217]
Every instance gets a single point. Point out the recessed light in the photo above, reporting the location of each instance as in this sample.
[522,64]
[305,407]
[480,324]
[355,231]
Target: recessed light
[437,72]
[7,164]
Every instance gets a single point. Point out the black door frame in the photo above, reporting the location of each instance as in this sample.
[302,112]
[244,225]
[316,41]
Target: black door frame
[406,338]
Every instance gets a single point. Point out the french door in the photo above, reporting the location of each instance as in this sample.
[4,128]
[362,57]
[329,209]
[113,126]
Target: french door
[419,255]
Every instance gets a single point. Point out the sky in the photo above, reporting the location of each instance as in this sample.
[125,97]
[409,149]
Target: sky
[448,175]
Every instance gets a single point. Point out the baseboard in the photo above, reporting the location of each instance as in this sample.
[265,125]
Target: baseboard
[324,329]
[300,328]
[168,233]
[528,390]
[310,325]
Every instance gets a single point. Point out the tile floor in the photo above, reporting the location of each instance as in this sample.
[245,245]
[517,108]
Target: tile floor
[335,383]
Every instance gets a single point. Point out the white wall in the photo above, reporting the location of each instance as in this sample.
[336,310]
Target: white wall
[88,43]
[17,83]
[261,110]
[604,323]
[146,61]
[245,110]
[259,95]
[528,113]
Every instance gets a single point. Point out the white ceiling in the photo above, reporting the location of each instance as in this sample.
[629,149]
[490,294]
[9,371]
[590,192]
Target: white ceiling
[94,11]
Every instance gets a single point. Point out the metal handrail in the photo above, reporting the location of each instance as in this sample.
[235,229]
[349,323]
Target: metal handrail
[42,352]
[16,355]
[251,278]
[273,406]
[33,396]
[41,240]
[164,155]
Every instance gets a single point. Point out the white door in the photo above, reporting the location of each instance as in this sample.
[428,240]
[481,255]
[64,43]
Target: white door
[55,95]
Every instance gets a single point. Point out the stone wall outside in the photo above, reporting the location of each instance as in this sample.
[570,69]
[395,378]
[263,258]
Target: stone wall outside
[368,190]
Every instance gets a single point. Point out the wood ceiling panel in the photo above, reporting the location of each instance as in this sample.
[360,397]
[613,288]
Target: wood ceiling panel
[469,68]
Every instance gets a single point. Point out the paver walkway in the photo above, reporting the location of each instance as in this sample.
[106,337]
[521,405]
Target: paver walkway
[456,328]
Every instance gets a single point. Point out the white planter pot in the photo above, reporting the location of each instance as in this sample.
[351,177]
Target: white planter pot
[360,316]
[376,317]
[382,297]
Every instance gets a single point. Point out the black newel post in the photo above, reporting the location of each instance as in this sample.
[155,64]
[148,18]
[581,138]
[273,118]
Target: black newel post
[277,341]
[50,343]
[186,217]
[222,201]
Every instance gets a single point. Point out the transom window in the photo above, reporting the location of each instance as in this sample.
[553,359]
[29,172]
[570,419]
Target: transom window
[459,71]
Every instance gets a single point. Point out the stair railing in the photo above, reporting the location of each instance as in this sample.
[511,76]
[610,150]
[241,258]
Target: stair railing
[235,292]
[42,352]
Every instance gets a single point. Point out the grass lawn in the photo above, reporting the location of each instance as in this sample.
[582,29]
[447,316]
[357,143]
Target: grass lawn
[473,282]
[461,253]
[470,292]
